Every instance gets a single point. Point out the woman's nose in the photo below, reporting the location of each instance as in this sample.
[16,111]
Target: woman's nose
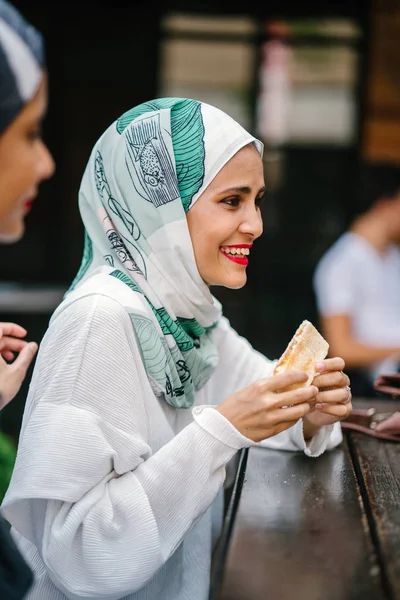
[47,164]
[252,223]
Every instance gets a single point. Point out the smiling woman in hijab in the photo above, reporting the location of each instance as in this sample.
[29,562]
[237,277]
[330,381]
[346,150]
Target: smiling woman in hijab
[24,163]
[142,392]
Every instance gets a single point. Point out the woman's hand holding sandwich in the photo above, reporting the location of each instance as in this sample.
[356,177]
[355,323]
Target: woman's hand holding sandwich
[264,409]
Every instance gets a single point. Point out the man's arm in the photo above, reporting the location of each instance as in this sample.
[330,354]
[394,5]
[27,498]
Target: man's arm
[338,333]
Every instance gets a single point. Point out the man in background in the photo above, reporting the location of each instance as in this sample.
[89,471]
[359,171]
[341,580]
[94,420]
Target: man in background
[360,317]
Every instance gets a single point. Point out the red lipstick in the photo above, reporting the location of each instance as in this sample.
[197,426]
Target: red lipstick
[242,260]
[28,205]
[237,245]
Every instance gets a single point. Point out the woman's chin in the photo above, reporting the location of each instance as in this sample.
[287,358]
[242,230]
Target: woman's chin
[233,283]
[12,231]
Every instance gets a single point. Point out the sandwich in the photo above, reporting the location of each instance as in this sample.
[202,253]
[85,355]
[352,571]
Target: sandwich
[305,349]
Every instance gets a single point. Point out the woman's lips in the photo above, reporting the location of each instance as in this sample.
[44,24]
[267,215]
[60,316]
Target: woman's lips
[240,260]
[28,205]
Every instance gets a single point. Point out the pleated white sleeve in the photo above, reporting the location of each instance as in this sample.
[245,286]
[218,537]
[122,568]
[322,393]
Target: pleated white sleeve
[104,509]
[241,365]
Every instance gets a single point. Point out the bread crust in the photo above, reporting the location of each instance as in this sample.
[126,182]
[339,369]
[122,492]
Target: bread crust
[305,349]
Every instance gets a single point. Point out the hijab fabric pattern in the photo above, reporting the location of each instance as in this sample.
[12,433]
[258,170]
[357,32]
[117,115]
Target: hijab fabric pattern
[144,174]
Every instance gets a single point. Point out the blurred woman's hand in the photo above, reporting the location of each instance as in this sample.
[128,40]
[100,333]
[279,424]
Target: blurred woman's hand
[11,339]
[261,410]
[13,374]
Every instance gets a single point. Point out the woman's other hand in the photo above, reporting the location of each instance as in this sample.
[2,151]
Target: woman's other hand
[333,401]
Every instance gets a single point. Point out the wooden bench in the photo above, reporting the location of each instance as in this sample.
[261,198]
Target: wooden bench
[299,528]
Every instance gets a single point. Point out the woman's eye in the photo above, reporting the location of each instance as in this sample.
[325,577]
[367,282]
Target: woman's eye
[234,202]
[34,134]
[260,200]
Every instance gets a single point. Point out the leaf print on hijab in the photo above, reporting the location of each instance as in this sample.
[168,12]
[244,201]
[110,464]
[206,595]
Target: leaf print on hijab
[150,158]
[116,240]
[187,132]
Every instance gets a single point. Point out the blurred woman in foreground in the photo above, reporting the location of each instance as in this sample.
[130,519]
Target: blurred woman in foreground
[24,163]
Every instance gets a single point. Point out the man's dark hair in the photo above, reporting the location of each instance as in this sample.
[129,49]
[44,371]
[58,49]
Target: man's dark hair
[375,181]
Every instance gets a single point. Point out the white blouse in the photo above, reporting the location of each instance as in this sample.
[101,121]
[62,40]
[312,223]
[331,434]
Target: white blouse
[116,494]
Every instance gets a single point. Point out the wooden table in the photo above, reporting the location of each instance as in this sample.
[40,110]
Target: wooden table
[299,528]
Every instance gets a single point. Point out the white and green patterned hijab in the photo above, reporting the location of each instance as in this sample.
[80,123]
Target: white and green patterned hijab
[144,174]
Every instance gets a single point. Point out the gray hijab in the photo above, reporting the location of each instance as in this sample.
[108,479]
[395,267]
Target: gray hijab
[21,63]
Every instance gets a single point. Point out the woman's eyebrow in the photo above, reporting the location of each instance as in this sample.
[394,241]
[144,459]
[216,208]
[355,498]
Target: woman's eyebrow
[244,189]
